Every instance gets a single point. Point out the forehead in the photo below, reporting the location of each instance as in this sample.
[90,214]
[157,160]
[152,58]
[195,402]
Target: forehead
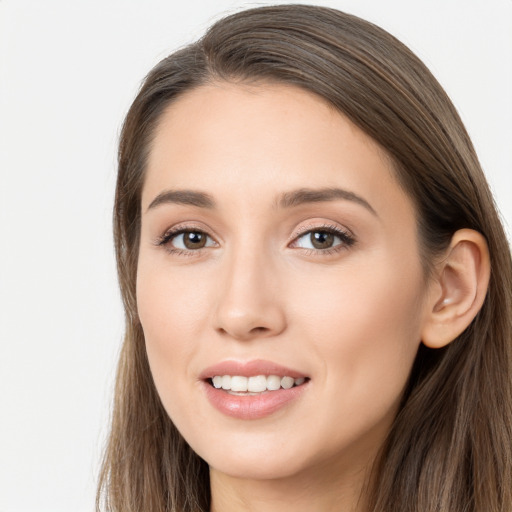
[261,140]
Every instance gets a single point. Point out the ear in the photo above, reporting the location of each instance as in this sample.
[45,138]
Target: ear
[458,289]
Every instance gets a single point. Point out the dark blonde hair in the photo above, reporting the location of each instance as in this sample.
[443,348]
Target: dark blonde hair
[450,447]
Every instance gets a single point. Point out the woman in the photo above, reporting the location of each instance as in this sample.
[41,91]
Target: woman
[316,283]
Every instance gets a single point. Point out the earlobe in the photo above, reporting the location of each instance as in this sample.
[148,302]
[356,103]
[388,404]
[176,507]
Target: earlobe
[459,290]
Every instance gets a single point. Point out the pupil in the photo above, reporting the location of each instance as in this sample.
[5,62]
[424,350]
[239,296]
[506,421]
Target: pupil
[194,240]
[322,239]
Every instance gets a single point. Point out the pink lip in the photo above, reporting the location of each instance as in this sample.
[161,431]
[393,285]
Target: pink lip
[249,369]
[250,407]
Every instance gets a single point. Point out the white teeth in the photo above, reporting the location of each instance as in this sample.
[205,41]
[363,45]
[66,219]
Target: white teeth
[226,382]
[255,384]
[238,383]
[287,382]
[273,382]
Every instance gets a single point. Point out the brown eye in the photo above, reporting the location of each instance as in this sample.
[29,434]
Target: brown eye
[194,239]
[321,239]
[186,240]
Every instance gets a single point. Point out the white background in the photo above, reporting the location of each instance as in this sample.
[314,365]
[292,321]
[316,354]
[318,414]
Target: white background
[68,72]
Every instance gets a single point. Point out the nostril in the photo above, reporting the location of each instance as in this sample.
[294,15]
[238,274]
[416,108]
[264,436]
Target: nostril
[257,330]
[244,334]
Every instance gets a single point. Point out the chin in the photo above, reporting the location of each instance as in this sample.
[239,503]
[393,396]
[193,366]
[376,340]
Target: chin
[257,461]
[267,469]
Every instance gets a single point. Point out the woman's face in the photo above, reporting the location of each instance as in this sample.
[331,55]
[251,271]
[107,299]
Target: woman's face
[277,248]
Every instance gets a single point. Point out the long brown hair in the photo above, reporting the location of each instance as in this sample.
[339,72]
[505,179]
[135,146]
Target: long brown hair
[450,447]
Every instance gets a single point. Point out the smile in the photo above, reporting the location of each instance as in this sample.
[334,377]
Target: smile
[256,384]
[251,390]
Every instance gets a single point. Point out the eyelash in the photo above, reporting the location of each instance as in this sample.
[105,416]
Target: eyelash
[346,238]
[172,233]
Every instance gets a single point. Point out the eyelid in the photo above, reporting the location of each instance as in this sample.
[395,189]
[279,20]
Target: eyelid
[346,236]
[179,229]
[321,226]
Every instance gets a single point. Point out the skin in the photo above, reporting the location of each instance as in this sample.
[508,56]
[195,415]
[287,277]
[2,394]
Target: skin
[349,317]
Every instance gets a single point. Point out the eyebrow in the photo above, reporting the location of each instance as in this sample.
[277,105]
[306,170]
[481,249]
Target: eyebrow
[308,195]
[187,197]
[287,200]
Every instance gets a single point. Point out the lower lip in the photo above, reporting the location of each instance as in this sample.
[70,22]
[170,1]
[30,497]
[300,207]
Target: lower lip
[252,407]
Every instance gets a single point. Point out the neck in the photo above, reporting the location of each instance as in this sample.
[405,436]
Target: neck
[319,489]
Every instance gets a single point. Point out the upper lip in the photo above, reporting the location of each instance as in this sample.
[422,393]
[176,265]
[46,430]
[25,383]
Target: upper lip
[249,369]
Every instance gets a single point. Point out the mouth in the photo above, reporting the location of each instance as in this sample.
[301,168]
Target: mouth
[240,385]
[254,389]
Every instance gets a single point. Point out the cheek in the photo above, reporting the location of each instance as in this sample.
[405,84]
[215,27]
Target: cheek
[366,330]
[171,312]
[379,317]
[365,333]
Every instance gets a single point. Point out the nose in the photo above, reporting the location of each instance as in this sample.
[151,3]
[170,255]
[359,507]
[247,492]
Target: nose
[249,303]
